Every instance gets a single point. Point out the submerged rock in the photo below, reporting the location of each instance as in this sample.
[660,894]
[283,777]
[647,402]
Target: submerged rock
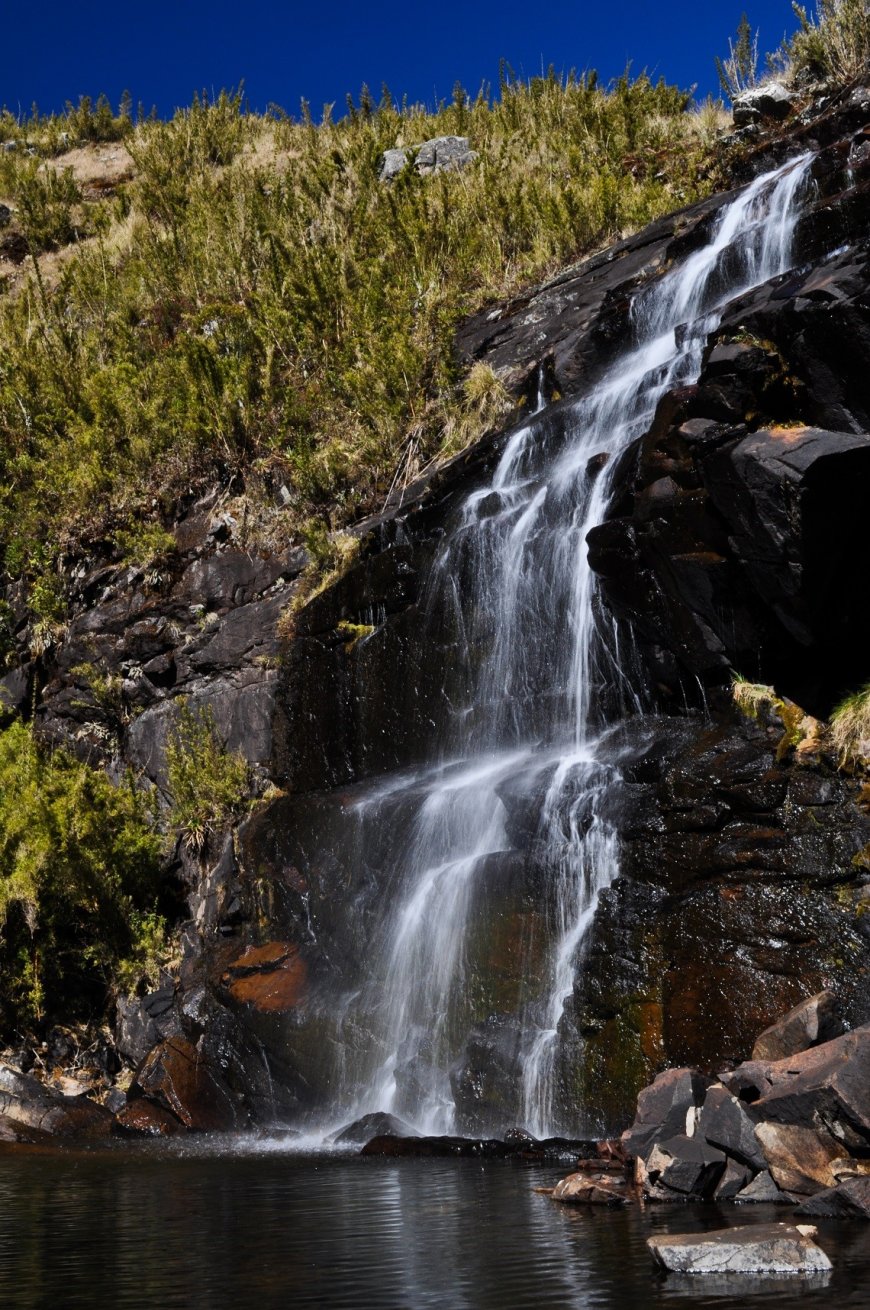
[753,1249]
[592,1189]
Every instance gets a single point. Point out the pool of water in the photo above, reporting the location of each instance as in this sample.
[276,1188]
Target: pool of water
[197,1227]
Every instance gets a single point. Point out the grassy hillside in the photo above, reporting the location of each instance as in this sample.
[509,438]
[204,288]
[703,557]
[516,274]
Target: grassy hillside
[238,297]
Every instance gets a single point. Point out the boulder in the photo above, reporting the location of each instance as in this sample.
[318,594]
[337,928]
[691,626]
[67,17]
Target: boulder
[175,1076]
[686,1165]
[437,155]
[143,1118]
[142,1021]
[725,1123]
[664,1107]
[813,1021]
[443,153]
[591,1189]
[378,1124]
[750,1249]
[26,1101]
[848,1200]
[763,1190]
[799,1158]
[771,102]
[5,215]
[828,1086]
[733,1181]
[15,1133]
[392,163]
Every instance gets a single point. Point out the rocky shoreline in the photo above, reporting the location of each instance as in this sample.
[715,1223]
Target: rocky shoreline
[789,1127]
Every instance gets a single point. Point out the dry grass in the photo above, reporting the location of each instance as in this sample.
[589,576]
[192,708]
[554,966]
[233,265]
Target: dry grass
[850,729]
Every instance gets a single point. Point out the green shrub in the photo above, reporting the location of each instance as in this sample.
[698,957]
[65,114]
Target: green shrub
[834,43]
[208,785]
[45,198]
[79,860]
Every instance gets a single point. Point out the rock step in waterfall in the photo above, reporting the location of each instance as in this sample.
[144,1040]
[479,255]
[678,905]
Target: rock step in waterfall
[529,712]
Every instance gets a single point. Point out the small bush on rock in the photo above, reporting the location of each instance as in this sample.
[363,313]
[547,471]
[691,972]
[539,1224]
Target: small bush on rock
[208,785]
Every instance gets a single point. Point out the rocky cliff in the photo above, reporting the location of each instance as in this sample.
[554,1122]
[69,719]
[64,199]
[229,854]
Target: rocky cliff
[733,544]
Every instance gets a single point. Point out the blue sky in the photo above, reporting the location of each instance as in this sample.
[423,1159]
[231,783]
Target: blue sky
[51,52]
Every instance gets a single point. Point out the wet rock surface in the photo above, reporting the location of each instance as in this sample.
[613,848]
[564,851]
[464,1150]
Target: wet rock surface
[755,1249]
[735,542]
[813,1021]
[177,1077]
[768,1131]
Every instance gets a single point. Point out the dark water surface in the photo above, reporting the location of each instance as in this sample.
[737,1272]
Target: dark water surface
[146,1228]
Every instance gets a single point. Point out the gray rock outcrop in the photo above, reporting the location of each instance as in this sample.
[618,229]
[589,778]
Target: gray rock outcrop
[438,155]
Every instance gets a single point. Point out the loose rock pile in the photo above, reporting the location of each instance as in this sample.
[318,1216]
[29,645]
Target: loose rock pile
[789,1126]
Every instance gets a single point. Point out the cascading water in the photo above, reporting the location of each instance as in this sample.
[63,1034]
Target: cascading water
[526,706]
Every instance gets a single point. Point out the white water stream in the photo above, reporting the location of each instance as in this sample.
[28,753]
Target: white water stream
[525,704]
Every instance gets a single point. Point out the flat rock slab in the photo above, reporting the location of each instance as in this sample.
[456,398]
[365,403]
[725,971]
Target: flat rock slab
[752,1249]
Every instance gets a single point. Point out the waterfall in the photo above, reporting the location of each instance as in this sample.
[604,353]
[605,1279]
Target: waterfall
[527,701]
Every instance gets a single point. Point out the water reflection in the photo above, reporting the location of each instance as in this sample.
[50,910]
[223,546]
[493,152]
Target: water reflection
[141,1228]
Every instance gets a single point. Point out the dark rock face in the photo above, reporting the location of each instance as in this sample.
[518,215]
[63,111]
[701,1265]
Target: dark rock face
[735,541]
[737,896]
[720,549]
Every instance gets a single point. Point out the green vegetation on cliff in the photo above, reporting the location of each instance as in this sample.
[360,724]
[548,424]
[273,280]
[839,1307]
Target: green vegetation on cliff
[79,884]
[253,306]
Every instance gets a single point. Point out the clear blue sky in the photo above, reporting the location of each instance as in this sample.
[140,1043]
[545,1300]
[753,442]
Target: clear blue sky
[162,51]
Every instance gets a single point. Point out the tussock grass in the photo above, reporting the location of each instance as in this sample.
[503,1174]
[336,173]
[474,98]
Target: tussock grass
[850,728]
[801,733]
[255,308]
[834,42]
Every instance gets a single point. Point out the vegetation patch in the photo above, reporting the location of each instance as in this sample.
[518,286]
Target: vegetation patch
[801,733]
[208,785]
[254,308]
[850,728]
[79,877]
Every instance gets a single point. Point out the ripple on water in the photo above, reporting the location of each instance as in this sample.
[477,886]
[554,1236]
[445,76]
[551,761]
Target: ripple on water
[194,1227]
